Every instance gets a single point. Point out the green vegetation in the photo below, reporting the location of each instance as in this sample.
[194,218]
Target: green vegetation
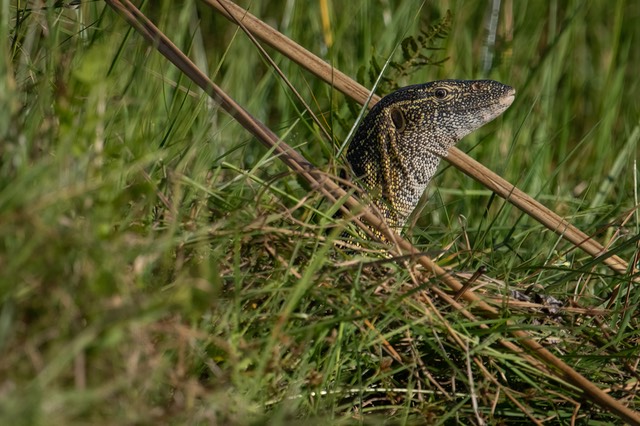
[159,266]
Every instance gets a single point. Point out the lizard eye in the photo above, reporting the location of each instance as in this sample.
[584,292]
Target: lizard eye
[398,118]
[441,93]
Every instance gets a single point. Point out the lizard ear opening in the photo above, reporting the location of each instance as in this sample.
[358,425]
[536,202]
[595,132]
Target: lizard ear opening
[398,118]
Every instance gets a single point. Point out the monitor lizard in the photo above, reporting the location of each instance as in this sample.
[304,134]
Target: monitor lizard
[397,148]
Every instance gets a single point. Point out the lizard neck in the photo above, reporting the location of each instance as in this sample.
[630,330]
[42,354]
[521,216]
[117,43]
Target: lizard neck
[397,179]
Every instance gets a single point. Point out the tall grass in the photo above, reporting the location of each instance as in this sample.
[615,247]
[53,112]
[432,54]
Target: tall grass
[158,265]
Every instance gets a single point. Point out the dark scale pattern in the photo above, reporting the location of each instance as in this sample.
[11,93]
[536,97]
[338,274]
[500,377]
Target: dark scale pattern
[398,146]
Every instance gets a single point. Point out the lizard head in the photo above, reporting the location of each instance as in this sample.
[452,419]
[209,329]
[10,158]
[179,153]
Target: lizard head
[434,116]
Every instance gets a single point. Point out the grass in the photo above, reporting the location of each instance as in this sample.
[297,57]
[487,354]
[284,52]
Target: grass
[160,266]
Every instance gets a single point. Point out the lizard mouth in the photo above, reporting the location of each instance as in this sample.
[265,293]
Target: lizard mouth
[481,115]
[508,98]
[497,107]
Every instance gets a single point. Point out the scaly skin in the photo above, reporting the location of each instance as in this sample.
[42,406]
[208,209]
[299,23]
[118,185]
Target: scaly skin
[398,146]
